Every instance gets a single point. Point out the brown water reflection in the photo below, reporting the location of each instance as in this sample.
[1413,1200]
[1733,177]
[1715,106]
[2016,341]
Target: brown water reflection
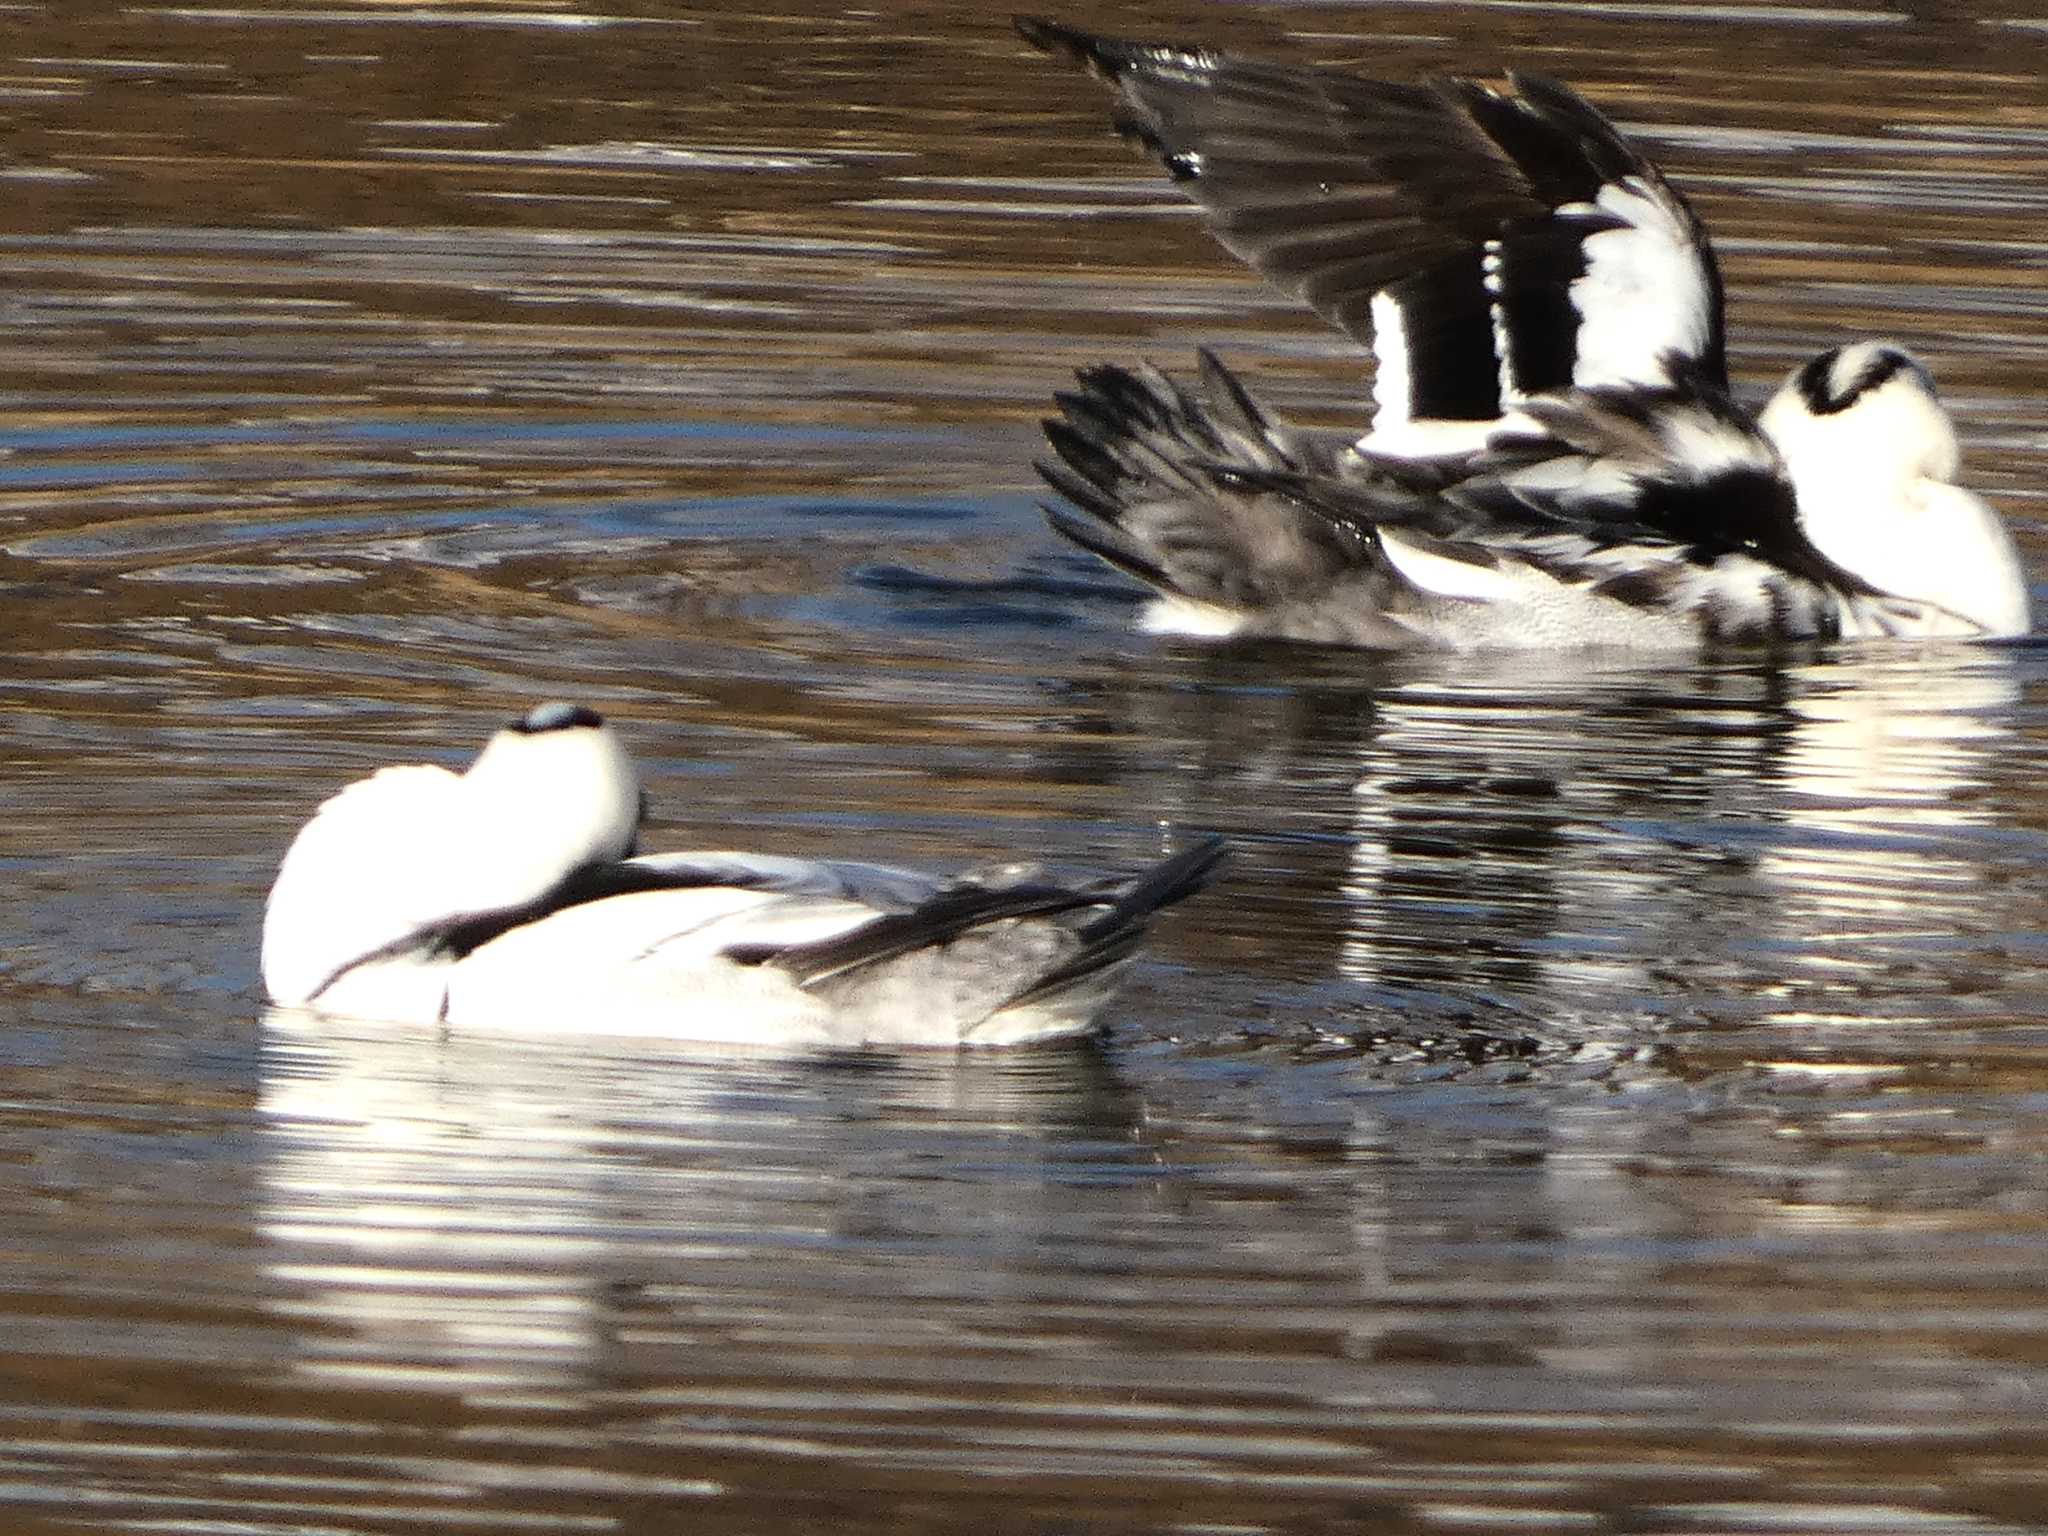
[1607,1100]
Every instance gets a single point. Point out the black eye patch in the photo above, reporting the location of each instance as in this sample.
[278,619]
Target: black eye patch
[1885,364]
[557,716]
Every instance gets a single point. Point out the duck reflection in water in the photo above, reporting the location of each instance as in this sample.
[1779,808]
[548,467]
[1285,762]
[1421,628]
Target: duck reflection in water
[477,1211]
[1584,845]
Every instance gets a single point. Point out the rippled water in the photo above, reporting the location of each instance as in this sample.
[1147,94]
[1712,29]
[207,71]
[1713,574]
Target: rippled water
[1600,1099]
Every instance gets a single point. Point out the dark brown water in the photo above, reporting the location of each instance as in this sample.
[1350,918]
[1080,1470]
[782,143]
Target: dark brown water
[1599,1101]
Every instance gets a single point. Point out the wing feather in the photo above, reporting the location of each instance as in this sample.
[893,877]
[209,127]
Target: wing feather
[1487,245]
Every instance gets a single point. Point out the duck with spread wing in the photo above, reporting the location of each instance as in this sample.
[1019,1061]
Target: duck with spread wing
[1556,457]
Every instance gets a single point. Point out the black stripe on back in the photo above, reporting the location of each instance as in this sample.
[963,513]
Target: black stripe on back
[944,917]
[456,937]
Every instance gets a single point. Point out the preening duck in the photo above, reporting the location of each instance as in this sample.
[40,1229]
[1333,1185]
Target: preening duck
[509,896]
[1556,457]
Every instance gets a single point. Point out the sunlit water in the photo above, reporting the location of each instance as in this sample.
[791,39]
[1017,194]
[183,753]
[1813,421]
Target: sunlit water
[1606,1099]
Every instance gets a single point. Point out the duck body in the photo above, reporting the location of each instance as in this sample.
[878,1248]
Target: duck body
[375,914]
[1556,458]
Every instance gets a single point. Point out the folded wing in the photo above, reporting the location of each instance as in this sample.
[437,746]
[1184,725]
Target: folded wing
[1664,505]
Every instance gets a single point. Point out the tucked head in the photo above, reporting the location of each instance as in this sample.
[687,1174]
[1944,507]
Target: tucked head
[396,857]
[556,768]
[1870,409]
[1873,459]
[557,715]
[1837,379]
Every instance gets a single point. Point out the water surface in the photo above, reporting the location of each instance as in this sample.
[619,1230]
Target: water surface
[1605,1098]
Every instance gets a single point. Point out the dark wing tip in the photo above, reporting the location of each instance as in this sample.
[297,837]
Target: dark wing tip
[1557,101]
[1107,542]
[1050,35]
[1170,880]
[1604,145]
[1106,56]
[1227,395]
[1176,878]
[939,920]
[1110,57]
[1548,90]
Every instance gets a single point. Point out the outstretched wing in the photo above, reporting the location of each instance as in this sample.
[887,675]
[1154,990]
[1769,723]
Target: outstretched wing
[1665,500]
[1488,246]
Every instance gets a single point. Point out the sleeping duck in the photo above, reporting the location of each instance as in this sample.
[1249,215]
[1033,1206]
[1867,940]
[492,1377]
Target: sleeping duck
[509,896]
[1556,458]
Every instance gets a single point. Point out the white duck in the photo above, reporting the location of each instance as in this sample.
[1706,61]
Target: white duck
[508,897]
[1555,457]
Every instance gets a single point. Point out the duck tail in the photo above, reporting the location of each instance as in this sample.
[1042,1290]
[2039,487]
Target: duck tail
[1171,880]
[1113,935]
[1009,957]
[1176,487]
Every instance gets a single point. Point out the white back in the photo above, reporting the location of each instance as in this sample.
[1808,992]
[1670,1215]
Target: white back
[652,963]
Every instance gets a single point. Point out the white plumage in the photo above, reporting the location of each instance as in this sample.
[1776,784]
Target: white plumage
[1556,458]
[508,897]
[1874,458]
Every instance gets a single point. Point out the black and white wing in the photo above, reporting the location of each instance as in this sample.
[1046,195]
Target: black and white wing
[765,948]
[812,917]
[1666,500]
[882,887]
[1488,246]
[1630,515]
[707,902]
